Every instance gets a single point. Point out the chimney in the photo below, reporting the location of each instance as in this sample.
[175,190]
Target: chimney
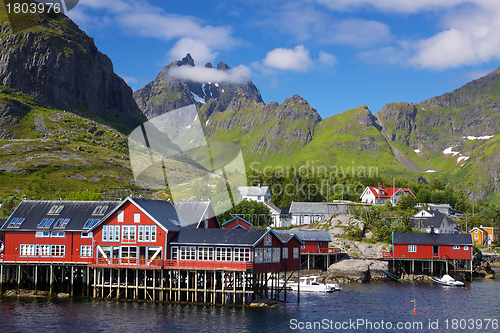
[259,185]
[432,231]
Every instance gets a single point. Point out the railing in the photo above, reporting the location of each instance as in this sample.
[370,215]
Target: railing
[127,262]
[322,250]
[387,254]
[209,265]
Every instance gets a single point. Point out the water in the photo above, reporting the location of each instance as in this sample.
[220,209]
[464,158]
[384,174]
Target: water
[373,303]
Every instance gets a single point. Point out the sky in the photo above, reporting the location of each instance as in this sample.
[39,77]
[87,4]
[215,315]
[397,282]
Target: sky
[337,54]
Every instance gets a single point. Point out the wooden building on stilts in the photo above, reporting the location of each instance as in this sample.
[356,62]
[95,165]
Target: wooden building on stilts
[143,250]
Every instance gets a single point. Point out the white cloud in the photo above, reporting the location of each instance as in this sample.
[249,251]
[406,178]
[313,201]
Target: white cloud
[401,6]
[129,79]
[327,59]
[297,59]
[203,74]
[357,32]
[142,19]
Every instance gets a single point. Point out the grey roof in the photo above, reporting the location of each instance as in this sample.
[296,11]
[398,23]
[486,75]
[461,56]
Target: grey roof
[253,190]
[432,221]
[226,237]
[273,207]
[194,212]
[427,238]
[285,211]
[309,235]
[162,211]
[318,208]
[78,213]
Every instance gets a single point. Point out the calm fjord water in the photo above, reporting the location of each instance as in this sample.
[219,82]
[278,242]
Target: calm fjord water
[357,308]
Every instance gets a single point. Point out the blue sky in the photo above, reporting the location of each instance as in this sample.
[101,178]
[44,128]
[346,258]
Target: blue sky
[337,54]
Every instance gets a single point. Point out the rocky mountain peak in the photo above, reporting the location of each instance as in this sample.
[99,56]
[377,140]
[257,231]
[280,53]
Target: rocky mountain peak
[222,66]
[187,60]
[209,65]
[366,118]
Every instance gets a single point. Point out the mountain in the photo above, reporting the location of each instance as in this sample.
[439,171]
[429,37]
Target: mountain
[233,112]
[64,113]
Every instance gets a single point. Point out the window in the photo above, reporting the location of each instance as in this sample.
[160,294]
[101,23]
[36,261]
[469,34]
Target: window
[205,253]
[268,255]
[86,251]
[58,223]
[121,216]
[110,233]
[476,236]
[268,241]
[65,223]
[129,252]
[147,233]
[96,210]
[188,253]
[42,224]
[58,250]
[117,233]
[137,217]
[58,234]
[27,250]
[223,254]
[128,234]
[94,223]
[175,253]
[86,235]
[241,254]
[88,223]
[412,248]
[54,210]
[42,234]
[296,253]
[43,250]
[285,253]
[466,247]
[276,254]
[456,247]
[259,255]
[13,223]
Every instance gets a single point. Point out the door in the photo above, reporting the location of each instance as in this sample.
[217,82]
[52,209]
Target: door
[435,251]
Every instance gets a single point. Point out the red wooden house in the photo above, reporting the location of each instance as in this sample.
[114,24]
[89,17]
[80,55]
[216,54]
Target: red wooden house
[237,223]
[432,246]
[315,241]
[53,231]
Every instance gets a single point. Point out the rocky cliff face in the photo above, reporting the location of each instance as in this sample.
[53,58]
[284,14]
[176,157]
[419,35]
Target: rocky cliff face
[59,65]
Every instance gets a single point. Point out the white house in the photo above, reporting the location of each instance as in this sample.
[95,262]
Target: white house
[429,220]
[379,195]
[256,193]
[443,208]
[275,215]
[310,212]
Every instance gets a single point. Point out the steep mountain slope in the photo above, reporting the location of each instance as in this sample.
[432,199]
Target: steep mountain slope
[64,113]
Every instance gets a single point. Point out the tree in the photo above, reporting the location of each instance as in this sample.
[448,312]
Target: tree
[406,202]
[253,211]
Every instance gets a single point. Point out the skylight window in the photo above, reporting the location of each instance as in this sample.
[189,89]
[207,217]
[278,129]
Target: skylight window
[18,224]
[177,223]
[97,210]
[103,210]
[58,223]
[65,223]
[13,223]
[94,223]
[42,224]
[56,209]
[49,223]
[88,223]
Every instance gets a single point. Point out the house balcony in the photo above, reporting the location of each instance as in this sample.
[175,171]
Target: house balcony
[63,260]
[209,265]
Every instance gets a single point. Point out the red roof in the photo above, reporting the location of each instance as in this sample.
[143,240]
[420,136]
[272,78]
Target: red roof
[387,192]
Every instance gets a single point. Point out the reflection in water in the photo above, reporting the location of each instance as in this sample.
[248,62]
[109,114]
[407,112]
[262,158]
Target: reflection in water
[390,302]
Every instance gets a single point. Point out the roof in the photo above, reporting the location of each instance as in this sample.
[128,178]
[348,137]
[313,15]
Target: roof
[194,212]
[309,235]
[273,207]
[253,190]
[434,221]
[387,192]
[427,238]
[162,212]
[286,236]
[285,211]
[239,218]
[56,212]
[225,237]
[317,208]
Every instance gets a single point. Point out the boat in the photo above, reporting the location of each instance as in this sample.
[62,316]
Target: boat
[311,283]
[447,280]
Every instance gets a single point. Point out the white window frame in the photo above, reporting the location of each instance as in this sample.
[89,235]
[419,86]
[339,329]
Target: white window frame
[58,250]
[129,234]
[466,248]
[174,253]
[137,217]
[456,247]
[86,251]
[412,248]
[187,253]
[241,254]
[206,253]
[223,254]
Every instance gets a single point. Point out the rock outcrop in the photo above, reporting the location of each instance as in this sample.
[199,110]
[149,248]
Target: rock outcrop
[356,271]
